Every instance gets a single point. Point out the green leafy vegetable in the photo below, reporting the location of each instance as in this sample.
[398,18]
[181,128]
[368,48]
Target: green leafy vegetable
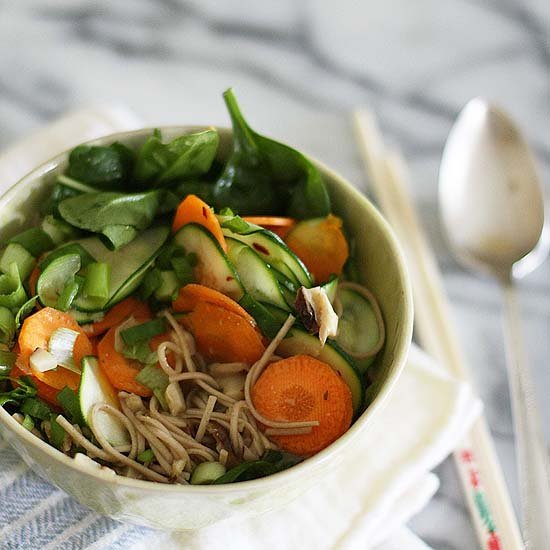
[12,293]
[271,463]
[36,408]
[118,216]
[104,167]
[68,399]
[152,377]
[7,325]
[144,331]
[263,176]
[185,157]
[34,240]
[24,388]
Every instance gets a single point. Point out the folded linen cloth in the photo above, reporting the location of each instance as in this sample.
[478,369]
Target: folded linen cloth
[364,503]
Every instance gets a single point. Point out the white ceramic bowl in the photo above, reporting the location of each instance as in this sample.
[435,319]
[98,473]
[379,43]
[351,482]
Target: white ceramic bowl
[381,268]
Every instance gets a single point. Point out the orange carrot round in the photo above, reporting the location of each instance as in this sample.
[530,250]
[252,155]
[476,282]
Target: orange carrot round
[192,294]
[120,371]
[194,210]
[119,313]
[302,388]
[279,225]
[320,243]
[222,335]
[36,332]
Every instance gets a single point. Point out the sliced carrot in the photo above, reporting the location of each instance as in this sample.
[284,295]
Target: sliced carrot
[36,332]
[279,225]
[120,371]
[320,243]
[45,392]
[192,294]
[222,335]
[194,210]
[118,313]
[33,279]
[302,388]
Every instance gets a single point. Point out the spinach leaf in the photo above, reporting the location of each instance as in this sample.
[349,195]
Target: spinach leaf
[106,167]
[271,463]
[119,217]
[185,157]
[263,176]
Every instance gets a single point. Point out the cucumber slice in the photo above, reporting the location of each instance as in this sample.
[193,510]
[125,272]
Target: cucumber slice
[96,388]
[256,276]
[358,329]
[213,267]
[129,265]
[55,277]
[298,341]
[275,252]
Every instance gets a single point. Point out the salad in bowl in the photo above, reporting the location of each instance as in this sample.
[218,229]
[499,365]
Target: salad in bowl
[192,310]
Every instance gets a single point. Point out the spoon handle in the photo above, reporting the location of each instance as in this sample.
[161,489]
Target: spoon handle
[531,453]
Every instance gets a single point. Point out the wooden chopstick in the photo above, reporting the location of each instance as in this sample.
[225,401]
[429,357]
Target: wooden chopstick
[475,458]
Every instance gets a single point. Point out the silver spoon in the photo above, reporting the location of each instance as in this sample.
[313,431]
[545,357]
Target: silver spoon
[493,211]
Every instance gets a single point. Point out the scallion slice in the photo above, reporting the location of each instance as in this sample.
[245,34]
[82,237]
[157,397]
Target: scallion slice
[12,293]
[7,325]
[98,280]
[153,378]
[15,252]
[24,311]
[36,408]
[42,360]
[57,433]
[144,331]
[146,456]
[61,346]
[28,423]
[68,399]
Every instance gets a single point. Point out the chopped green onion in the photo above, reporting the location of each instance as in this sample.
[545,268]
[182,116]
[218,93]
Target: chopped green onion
[57,432]
[226,212]
[151,282]
[183,268]
[12,293]
[144,331]
[34,240]
[146,456]
[14,252]
[206,473]
[24,388]
[7,360]
[72,248]
[24,310]
[67,296]
[98,280]
[28,423]
[61,346]
[59,231]
[237,225]
[36,408]
[152,377]
[7,325]
[170,285]
[68,399]
[42,360]
[75,184]
[166,254]
[160,395]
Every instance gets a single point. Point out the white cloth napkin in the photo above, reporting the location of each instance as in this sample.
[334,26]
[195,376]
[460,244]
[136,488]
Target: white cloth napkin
[366,501]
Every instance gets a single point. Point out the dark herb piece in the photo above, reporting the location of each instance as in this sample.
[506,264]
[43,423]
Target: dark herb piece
[185,157]
[24,388]
[36,408]
[271,463]
[263,176]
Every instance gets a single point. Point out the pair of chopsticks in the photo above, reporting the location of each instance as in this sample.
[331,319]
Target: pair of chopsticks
[475,458]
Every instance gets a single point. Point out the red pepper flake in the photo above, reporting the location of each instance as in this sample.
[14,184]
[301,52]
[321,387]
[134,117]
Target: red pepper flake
[260,248]
[467,456]
[325,396]
[229,278]
[494,542]
[474,479]
[204,212]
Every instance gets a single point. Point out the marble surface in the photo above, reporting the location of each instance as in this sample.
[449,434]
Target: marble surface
[299,68]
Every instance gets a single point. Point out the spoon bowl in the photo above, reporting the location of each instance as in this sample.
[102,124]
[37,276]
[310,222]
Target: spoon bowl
[489,192]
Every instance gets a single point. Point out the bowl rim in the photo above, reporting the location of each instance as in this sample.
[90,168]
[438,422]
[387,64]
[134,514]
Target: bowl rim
[279,478]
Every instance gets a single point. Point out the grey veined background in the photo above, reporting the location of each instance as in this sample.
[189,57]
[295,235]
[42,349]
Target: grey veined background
[298,69]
